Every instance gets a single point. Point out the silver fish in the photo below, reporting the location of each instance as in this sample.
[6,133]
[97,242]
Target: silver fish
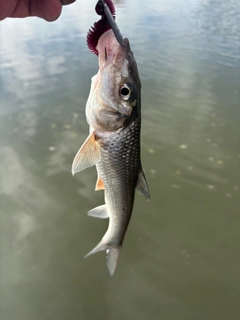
[113,112]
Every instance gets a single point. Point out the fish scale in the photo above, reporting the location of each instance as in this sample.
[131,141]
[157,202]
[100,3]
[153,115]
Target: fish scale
[119,168]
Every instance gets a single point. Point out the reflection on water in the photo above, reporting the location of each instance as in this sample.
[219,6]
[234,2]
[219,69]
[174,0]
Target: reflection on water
[181,254]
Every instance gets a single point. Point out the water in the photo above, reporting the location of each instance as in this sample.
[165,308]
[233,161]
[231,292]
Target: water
[180,258]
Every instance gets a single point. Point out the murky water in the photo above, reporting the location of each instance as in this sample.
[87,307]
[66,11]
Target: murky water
[181,255]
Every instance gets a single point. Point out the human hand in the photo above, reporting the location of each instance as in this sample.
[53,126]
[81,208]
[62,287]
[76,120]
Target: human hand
[49,10]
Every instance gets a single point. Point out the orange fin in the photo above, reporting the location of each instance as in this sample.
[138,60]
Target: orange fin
[87,156]
[99,184]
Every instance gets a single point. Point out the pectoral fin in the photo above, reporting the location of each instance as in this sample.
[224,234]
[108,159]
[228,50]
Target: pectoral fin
[87,156]
[142,185]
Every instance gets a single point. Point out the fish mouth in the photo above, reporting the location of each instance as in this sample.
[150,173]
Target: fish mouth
[106,9]
[110,50]
[106,13]
[105,39]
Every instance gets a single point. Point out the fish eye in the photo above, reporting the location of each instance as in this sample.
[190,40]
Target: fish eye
[125,92]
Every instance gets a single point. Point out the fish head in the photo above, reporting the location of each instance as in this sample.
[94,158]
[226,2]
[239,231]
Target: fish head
[114,99]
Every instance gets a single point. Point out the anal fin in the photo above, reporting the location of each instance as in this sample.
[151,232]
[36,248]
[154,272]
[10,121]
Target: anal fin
[142,185]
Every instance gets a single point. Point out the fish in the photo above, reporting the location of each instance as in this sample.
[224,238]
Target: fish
[113,112]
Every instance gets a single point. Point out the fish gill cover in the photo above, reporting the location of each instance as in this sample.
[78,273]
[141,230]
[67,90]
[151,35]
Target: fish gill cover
[100,26]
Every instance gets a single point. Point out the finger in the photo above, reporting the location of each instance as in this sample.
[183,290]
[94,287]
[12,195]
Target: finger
[7,8]
[49,10]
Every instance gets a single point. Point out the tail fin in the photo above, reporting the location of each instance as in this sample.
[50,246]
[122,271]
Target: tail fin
[112,259]
[112,255]
[100,247]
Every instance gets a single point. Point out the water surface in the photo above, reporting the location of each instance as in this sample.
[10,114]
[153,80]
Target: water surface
[180,258]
